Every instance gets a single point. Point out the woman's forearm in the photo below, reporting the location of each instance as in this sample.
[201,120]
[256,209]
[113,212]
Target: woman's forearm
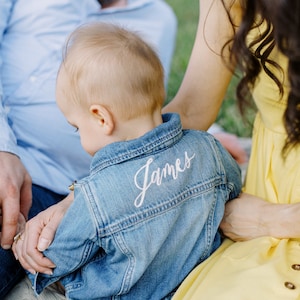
[249,217]
[207,76]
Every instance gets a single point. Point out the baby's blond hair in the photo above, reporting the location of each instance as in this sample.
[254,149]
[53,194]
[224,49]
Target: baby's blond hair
[112,66]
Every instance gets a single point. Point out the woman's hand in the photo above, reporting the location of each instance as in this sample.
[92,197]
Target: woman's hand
[243,218]
[38,235]
[231,143]
[249,217]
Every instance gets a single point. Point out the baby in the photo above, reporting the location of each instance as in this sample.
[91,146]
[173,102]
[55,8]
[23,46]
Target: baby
[150,209]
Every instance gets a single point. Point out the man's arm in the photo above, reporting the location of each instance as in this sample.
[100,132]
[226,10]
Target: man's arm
[15,182]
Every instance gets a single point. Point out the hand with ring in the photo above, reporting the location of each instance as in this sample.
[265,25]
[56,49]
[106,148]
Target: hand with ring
[20,244]
[38,235]
[20,229]
[17,237]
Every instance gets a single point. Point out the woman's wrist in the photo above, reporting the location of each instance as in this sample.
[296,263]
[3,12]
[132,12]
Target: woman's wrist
[282,220]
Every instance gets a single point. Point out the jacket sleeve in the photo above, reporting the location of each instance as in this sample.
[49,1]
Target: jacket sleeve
[74,244]
[232,170]
[7,138]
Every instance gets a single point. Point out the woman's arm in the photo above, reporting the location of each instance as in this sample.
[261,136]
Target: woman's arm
[249,217]
[207,77]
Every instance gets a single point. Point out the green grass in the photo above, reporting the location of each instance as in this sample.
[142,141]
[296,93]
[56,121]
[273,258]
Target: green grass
[187,16]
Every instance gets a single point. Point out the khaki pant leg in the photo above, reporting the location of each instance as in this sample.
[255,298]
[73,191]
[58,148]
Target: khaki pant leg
[23,291]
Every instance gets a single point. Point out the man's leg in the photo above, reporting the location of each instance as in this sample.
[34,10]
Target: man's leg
[41,199]
[24,291]
[11,271]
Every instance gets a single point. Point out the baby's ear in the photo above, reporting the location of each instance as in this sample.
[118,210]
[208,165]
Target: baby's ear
[104,117]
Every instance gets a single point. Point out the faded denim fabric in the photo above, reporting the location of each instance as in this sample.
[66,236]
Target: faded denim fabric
[145,217]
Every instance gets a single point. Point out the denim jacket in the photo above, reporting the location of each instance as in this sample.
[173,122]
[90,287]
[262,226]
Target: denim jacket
[147,214]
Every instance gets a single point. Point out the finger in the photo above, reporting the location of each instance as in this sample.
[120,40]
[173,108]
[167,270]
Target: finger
[21,223]
[46,237]
[233,146]
[25,257]
[48,231]
[237,152]
[35,258]
[240,155]
[26,196]
[14,250]
[17,237]
[10,215]
[32,266]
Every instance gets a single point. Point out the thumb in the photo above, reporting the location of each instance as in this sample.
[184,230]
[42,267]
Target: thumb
[46,237]
[43,244]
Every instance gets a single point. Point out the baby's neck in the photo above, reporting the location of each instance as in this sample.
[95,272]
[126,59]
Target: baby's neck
[137,127]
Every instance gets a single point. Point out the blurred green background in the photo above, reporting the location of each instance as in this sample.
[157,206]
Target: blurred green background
[187,15]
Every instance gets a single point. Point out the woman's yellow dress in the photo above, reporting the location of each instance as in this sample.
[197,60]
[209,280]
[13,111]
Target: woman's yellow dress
[264,268]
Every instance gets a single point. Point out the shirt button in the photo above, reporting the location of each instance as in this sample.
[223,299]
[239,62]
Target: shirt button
[296,267]
[289,285]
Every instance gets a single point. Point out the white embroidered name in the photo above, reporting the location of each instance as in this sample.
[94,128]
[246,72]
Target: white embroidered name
[146,178]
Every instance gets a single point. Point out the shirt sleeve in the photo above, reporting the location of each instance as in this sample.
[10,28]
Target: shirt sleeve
[7,137]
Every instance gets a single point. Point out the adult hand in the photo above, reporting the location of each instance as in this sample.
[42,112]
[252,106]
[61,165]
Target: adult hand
[38,235]
[21,223]
[231,143]
[15,196]
[249,217]
[244,218]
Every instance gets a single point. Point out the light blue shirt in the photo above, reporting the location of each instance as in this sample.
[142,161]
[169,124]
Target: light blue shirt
[32,35]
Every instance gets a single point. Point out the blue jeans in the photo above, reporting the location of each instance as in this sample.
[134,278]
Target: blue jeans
[11,271]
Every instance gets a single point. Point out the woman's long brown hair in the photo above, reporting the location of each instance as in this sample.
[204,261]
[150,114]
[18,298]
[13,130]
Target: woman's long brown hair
[282,20]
